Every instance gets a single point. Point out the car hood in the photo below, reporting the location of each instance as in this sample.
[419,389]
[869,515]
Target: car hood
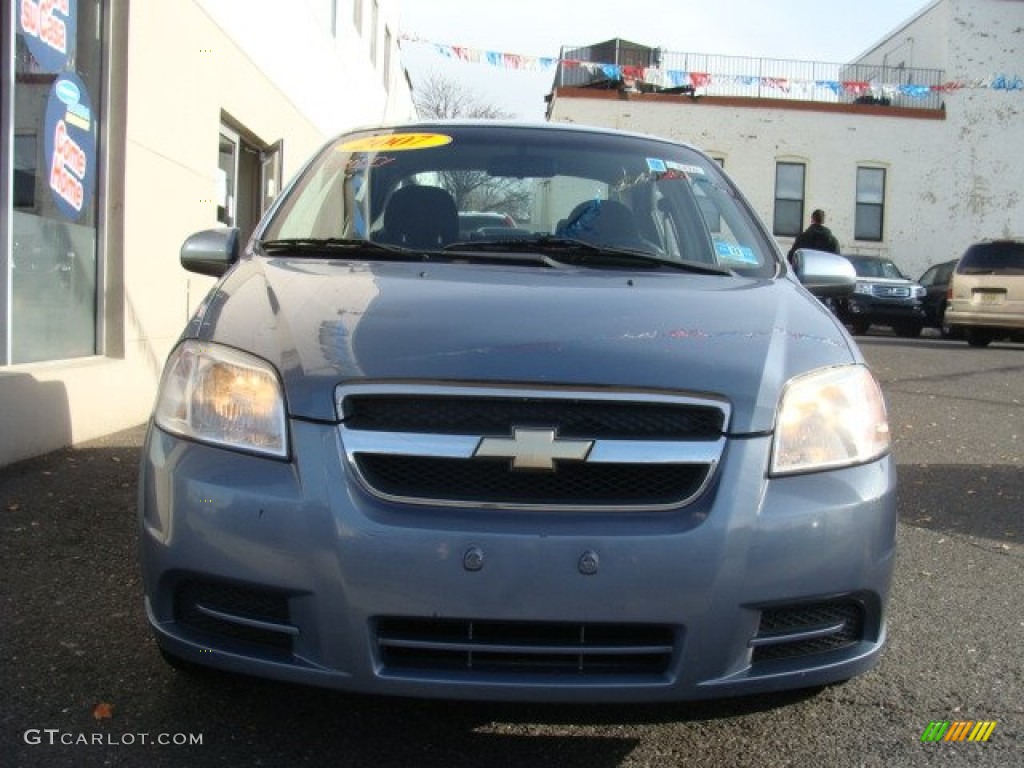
[326,322]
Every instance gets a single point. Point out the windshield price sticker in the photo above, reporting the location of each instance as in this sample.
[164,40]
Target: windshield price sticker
[396,142]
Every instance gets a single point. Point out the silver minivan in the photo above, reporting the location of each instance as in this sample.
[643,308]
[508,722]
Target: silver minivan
[986,295]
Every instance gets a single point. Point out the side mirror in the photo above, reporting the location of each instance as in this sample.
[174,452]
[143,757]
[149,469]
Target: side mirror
[823,273]
[210,252]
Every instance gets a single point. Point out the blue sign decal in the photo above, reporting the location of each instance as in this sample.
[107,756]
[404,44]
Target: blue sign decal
[70,145]
[50,29]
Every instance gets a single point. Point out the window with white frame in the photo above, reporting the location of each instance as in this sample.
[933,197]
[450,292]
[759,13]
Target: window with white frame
[789,199]
[869,218]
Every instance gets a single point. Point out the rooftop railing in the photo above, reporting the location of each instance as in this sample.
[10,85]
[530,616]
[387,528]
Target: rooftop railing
[624,65]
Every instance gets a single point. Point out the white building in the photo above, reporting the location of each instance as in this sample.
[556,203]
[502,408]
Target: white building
[127,126]
[909,171]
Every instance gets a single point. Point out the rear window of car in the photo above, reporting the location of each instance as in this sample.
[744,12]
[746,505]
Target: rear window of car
[1004,257]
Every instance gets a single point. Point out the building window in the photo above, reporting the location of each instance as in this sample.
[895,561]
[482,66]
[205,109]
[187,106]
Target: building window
[870,213]
[357,15]
[248,179]
[789,199]
[55,120]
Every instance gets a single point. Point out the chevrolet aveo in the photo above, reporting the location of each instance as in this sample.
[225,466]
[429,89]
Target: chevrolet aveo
[618,451]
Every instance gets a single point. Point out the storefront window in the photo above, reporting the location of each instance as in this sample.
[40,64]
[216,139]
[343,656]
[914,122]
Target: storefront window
[52,308]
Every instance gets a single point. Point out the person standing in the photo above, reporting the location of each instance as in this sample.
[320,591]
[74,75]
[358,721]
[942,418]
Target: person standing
[816,236]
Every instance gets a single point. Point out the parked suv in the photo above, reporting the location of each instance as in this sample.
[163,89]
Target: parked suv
[883,296]
[986,297]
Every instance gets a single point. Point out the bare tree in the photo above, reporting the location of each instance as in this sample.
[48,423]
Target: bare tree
[441,98]
[445,99]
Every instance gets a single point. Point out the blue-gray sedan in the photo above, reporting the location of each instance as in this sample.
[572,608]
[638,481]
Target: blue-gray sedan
[618,451]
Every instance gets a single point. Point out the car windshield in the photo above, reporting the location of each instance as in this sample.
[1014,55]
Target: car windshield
[876,268]
[465,189]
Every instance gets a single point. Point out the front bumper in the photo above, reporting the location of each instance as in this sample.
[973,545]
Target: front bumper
[881,311]
[979,318]
[290,571]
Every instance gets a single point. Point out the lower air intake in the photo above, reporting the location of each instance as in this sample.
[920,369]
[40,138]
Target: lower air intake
[524,648]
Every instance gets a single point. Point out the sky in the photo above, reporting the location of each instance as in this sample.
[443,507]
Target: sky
[804,30]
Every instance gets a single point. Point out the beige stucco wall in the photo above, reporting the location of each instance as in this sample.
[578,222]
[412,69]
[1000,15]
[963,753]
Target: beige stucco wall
[971,173]
[751,140]
[190,62]
[986,125]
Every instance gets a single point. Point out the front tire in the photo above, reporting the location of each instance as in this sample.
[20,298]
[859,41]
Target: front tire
[859,327]
[908,330]
[978,337]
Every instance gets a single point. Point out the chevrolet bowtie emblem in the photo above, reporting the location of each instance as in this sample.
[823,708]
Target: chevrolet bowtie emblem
[533,448]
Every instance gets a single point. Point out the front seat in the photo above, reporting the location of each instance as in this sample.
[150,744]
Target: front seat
[606,222]
[420,217]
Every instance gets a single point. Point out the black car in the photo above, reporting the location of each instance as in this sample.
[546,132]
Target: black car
[935,282]
[883,296]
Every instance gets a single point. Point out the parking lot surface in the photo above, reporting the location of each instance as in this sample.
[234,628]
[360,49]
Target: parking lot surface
[84,685]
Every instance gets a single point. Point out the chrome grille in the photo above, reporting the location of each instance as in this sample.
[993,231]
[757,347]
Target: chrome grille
[420,444]
[891,291]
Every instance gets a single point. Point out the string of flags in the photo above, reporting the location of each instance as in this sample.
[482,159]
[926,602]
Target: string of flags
[664,79]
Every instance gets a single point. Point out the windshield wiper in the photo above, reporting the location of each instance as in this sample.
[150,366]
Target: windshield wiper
[569,250]
[332,246]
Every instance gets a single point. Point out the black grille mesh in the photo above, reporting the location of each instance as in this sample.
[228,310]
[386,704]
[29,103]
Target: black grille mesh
[257,604]
[492,481]
[779,621]
[498,416]
[524,648]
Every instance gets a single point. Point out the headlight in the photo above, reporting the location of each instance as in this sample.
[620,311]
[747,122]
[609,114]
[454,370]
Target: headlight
[222,396]
[862,287]
[918,291]
[834,417]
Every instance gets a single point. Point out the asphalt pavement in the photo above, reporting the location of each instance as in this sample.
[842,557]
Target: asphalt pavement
[83,684]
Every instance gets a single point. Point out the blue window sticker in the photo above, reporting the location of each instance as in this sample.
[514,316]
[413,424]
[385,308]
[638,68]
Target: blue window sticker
[740,254]
[656,165]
